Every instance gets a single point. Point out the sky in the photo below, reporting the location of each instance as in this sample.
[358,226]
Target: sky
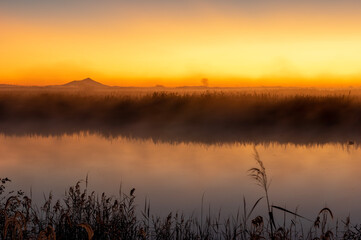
[180,42]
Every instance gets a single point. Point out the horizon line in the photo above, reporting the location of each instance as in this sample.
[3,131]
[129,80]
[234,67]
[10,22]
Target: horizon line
[204,84]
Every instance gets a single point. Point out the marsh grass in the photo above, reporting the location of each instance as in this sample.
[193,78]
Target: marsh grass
[259,174]
[189,116]
[87,215]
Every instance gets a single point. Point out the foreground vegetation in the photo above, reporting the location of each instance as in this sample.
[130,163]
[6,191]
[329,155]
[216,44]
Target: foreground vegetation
[202,116]
[87,215]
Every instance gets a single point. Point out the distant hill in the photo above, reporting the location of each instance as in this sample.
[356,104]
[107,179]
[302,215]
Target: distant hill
[85,83]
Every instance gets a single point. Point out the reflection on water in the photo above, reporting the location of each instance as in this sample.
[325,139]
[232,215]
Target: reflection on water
[175,176]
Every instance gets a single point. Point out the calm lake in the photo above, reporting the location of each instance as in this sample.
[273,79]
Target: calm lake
[175,176]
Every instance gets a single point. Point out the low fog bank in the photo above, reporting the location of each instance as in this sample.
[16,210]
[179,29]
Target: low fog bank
[208,117]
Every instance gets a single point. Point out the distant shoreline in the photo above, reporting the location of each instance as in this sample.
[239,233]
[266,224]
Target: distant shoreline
[90,84]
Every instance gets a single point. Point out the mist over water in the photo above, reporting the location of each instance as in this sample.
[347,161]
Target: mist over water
[174,176]
[265,115]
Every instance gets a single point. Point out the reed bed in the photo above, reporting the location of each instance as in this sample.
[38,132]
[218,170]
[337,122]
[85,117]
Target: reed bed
[203,116]
[87,215]
[207,109]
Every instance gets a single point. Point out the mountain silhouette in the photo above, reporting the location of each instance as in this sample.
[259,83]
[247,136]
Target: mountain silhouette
[85,83]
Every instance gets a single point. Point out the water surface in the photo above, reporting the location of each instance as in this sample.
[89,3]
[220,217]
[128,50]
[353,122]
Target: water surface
[175,176]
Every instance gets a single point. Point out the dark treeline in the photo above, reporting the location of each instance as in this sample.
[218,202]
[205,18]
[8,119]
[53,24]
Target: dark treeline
[206,117]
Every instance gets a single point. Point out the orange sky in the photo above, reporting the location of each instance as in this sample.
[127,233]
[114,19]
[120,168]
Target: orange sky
[146,43]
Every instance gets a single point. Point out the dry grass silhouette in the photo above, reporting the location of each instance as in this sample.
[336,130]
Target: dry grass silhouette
[87,215]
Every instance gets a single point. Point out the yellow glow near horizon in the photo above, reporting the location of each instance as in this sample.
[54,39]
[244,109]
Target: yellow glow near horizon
[147,50]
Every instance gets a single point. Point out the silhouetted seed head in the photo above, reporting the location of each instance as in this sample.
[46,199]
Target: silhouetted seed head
[317,222]
[258,221]
[132,192]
